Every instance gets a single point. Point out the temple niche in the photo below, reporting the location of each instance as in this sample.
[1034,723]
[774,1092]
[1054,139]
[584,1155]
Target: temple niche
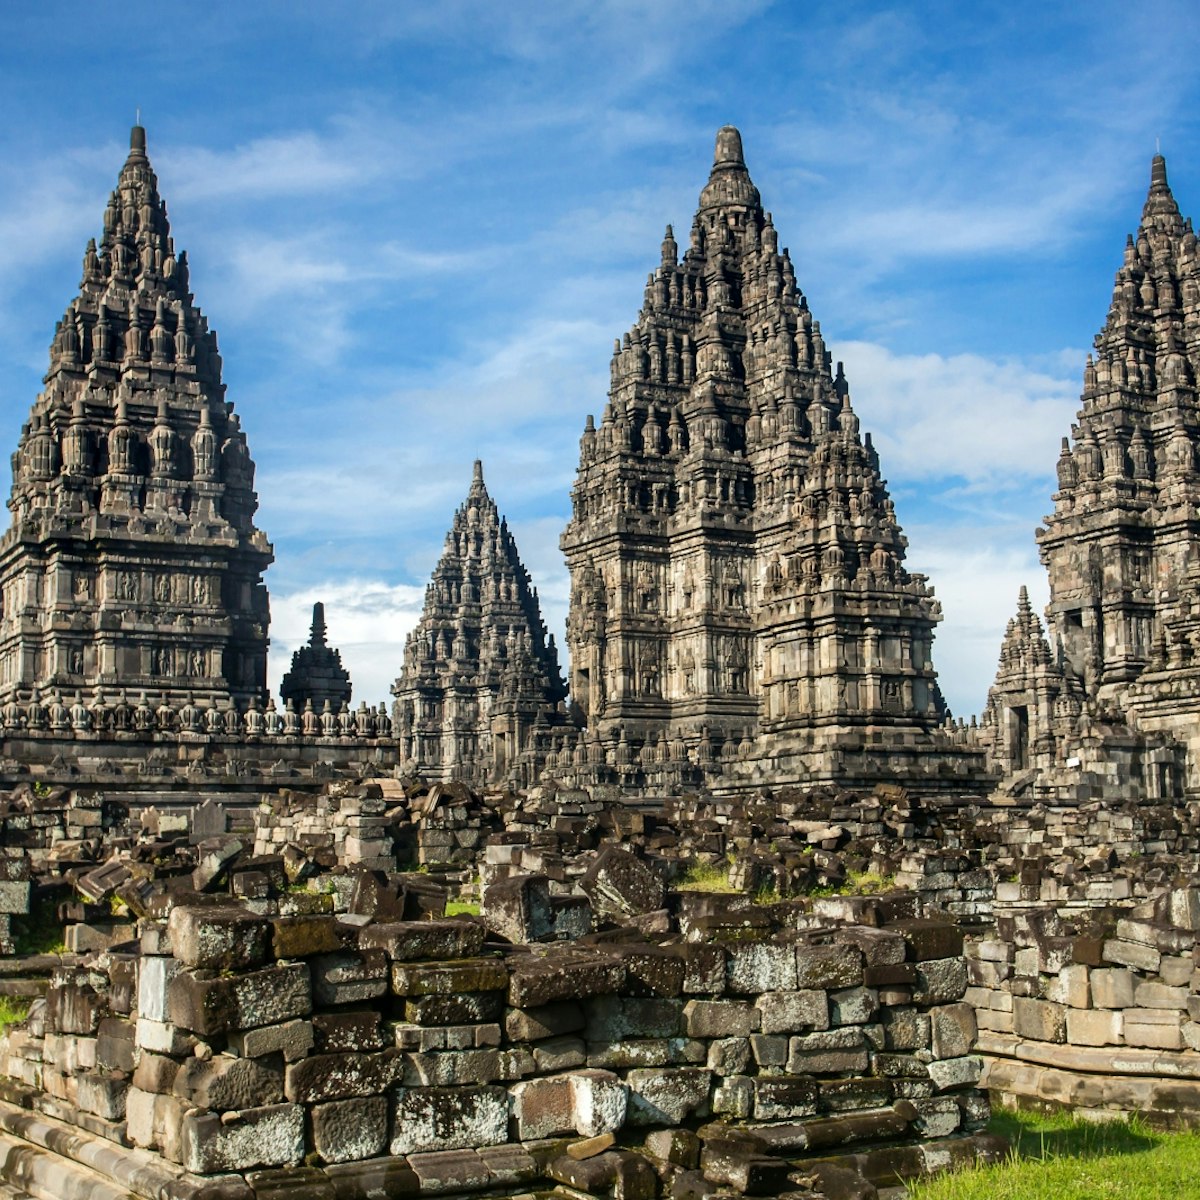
[1110,707]
[737,570]
[480,677]
[133,561]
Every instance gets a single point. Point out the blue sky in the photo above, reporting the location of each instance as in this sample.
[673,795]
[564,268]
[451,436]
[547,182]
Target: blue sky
[417,230]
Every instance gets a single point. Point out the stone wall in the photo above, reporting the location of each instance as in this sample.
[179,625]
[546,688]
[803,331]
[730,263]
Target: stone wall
[382,1046]
[1097,1011]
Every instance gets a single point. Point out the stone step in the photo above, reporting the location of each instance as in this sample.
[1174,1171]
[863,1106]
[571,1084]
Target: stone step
[52,1160]
[44,1175]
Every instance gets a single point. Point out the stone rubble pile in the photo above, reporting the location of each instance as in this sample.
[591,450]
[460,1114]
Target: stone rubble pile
[797,1048]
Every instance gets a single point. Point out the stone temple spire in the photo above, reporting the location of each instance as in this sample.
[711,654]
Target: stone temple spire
[317,673]
[479,670]
[133,489]
[1115,547]
[735,559]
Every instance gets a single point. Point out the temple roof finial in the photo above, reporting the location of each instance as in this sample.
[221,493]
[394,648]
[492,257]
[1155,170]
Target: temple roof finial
[137,144]
[317,634]
[1158,173]
[729,148]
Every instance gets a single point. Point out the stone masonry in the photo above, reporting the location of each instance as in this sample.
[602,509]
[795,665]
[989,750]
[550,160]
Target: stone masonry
[480,670]
[133,561]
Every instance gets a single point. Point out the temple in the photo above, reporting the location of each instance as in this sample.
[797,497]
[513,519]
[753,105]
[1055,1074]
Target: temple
[479,671]
[133,561]
[741,610]
[317,677]
[737,569]
[1104,704]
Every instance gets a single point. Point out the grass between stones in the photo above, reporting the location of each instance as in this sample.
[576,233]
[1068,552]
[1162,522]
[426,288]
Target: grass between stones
[1061,1157]
[13,1009]
[706,877]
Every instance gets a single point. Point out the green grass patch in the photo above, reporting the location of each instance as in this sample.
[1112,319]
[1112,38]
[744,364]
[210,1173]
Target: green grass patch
[706,877]
[462,908]
[868,883]
[1063,1157]
[12,1011]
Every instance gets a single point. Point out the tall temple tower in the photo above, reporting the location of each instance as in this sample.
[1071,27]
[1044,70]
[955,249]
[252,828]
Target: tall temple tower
[133,560]
[1125,529]
[479,670]
[736,565]
[1122,547]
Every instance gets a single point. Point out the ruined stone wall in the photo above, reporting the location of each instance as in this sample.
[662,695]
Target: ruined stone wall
[416,1053]
[347,821]
[1098,1012]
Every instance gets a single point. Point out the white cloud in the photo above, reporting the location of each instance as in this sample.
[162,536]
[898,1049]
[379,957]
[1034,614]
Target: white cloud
[367,621]
[977,576]
[986,421]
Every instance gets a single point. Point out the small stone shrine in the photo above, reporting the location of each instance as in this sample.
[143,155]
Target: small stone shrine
[133,560]
[317,675]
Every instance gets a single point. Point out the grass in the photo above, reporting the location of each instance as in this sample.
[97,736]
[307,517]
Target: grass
[12,1011]
[868,883]
[1062,1157]
[462,908]
[706,877]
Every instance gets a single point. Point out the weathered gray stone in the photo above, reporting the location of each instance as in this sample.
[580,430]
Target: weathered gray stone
[229,1083]
[349,977]
[790,1012]
[321,1077]
[239,1002]
[258,1137]
[428,1119]
[667,1097]
[619,884]
[344,1130]
[220,938]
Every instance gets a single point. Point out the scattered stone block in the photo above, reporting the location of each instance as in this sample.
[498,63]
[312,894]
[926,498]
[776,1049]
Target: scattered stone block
[619,884]
[219,938]
[428,1119]
[344,1130]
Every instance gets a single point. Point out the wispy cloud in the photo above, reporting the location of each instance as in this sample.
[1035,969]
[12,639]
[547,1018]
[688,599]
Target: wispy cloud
[981,420]
[367,621]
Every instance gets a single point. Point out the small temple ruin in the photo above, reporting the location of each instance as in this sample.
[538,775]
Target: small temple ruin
[317,678]
[736,909]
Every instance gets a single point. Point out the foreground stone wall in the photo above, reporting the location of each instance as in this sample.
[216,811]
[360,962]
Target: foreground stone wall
[1098,1011]
[383,1042]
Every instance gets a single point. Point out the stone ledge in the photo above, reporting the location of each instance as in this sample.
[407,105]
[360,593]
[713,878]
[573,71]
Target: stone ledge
[28,1138]
[1107,1060]
[1169,1104]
